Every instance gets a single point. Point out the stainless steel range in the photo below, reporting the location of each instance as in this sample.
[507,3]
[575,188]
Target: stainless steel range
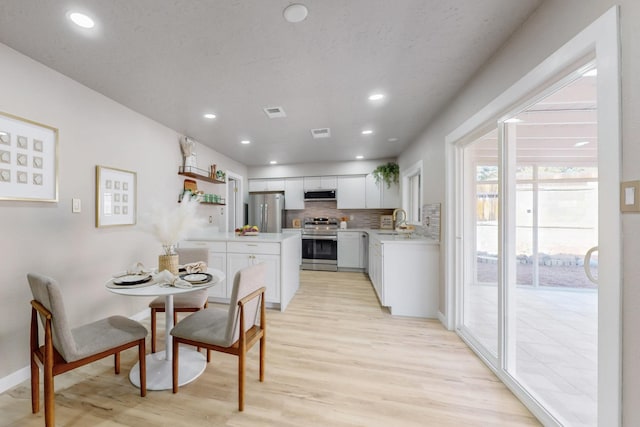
[320,244]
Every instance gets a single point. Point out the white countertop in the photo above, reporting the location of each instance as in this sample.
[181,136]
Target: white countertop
[385,236]
[232,237]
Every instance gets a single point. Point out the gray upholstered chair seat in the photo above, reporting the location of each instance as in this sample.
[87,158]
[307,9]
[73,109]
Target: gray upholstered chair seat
[192,299]
[206,326]
[104,334]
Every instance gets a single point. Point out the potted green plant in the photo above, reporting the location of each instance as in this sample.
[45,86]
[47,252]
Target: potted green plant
[388,173]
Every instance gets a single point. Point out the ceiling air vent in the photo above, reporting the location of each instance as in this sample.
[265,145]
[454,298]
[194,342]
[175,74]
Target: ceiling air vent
[274,112]
[321,133]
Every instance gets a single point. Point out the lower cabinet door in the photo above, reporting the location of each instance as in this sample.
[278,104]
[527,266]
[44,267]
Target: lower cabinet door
[236,262]
[218,260]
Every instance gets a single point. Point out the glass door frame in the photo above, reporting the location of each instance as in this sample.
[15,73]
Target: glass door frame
[599,41]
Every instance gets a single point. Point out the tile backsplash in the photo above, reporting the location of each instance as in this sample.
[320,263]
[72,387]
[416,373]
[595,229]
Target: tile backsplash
[362,218]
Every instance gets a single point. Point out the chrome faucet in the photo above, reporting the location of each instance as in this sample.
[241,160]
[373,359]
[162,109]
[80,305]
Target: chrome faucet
[394,216]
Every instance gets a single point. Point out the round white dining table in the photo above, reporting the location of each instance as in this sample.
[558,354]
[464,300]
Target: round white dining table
[159,365]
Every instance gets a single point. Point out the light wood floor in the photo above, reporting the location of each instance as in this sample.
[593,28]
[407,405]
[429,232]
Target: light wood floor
[334,358]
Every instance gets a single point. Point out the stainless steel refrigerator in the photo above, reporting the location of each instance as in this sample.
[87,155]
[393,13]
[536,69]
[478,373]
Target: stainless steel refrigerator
[266,210]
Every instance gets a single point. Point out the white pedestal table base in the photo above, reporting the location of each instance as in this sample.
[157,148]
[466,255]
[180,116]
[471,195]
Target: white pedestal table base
[159,370]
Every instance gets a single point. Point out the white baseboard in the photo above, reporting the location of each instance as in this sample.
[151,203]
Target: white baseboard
[24,374]
[14,379]
[443,319]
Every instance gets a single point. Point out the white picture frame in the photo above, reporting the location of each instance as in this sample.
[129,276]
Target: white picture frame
[115,207]
[28,160]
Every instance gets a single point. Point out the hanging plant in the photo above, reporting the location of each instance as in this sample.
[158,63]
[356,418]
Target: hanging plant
[388,173]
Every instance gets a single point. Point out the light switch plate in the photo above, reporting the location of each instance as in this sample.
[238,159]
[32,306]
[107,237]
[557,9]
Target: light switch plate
[76,205]
[630,196]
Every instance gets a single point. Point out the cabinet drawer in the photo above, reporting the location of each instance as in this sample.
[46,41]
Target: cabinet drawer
[254,248]
[212,246]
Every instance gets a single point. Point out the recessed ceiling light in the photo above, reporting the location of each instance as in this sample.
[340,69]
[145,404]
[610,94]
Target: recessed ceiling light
[359,157]
[245,141]
[295,13]
[581,143]
[81,20]
[367,132]
[376,97]
[591,73]
[209,116]
[513,120]
[392,139]
[273,162]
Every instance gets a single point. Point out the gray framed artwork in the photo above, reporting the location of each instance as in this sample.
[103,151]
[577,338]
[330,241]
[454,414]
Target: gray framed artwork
[28,160]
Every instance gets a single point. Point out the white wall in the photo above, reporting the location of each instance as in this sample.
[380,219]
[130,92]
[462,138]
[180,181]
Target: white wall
[49,239]
[552,25]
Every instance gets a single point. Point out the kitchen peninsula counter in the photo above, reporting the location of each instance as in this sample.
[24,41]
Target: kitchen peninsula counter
[230,253]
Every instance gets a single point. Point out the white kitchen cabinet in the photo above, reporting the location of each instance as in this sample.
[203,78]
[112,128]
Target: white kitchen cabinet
[236,262]
[294,193]
[375,266]
[266,185]
[230,253]
[351,192]
[349,249]
[217,259]
[379,196]
[320,183]
[405,276]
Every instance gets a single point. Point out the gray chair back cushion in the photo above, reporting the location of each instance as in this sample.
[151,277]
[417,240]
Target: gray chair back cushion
[47,292]
[189,255]
[245,282]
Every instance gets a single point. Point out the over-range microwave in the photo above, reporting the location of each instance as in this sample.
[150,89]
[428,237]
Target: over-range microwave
[319,195]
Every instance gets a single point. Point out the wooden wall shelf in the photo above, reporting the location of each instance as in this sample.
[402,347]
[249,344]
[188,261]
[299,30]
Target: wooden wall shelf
[200,174]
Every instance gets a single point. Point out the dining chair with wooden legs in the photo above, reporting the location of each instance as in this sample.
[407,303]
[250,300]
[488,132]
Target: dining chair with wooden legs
[65,349]
[233,331]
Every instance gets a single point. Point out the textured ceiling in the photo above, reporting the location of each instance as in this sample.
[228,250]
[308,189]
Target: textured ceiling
[173,61]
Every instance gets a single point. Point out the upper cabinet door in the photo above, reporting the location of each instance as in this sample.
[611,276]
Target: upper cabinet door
[293,193]
[373,194]
[266,185]
[320,182]
[378,195]
[351,192]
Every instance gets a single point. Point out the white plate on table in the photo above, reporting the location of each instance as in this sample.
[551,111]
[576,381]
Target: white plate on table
[197,278]
[132,279]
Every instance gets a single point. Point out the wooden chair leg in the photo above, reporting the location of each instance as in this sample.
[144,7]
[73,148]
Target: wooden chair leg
[208,355]
[142,359]
[35,385]
[262,351]
[241,362]
[153,330]
[175,365]
[116,363]
[49,409]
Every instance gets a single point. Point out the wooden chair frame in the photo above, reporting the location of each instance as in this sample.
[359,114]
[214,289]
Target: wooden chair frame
[52,362]
[239,348]
[175,320]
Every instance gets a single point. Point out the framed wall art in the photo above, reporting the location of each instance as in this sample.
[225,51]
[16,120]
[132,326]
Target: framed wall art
[28,160]
[115,197]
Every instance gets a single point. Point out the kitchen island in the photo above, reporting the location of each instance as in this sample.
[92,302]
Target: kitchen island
[230,253]
[404,271]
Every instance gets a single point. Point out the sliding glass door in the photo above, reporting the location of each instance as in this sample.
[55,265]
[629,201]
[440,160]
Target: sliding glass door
[530,215]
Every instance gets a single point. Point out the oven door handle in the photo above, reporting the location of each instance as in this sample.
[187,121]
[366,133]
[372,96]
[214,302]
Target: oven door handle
[319,238]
